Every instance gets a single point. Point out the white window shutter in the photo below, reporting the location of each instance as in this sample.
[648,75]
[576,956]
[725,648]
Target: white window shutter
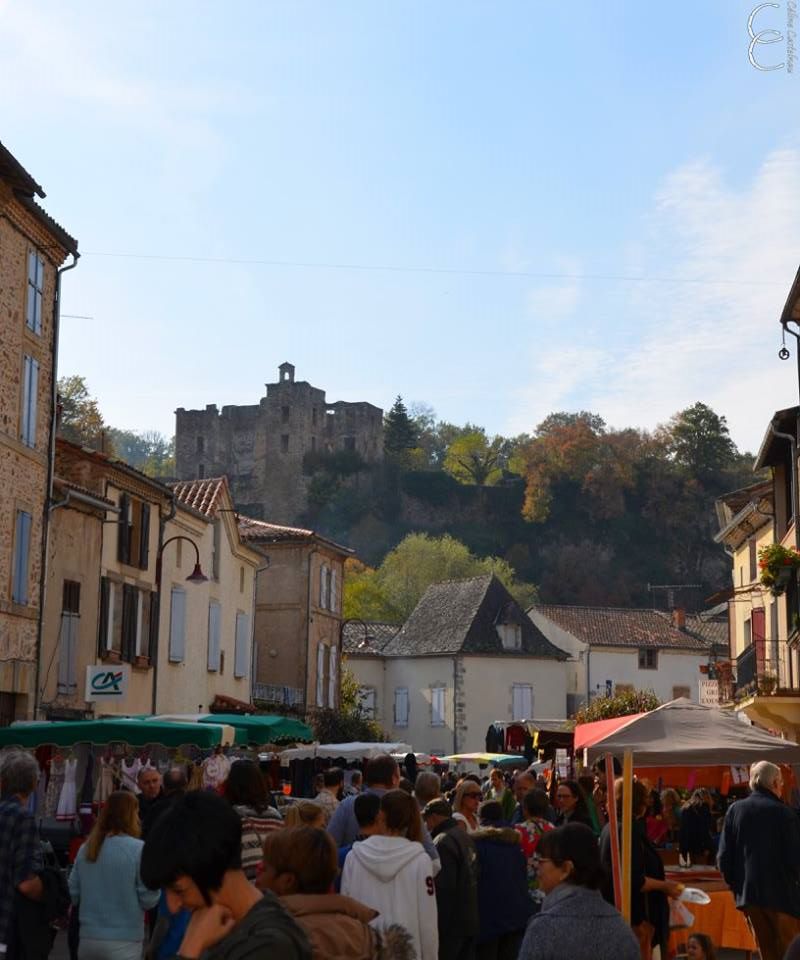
[332,675]
[334,597]
[401,707]
[240,650]
[177,625]
[67,653]
[320,674]
[323,576]
[214,632]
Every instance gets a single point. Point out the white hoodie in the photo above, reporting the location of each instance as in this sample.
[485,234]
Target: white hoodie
[395,877]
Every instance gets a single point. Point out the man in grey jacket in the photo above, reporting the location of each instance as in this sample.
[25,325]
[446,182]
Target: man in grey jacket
[382,774]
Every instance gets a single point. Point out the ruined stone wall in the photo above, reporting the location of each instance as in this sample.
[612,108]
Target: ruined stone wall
[261,448]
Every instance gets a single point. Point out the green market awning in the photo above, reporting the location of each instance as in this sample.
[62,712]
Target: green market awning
[134,732]
[251,727]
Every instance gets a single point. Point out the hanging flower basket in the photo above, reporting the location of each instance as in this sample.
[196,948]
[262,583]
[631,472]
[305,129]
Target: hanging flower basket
[777,565]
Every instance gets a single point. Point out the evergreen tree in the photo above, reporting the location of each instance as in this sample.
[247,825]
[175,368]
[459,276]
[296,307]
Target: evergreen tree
[399,432]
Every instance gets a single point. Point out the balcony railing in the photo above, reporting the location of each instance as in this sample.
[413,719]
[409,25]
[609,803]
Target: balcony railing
[757,673]
[273,693]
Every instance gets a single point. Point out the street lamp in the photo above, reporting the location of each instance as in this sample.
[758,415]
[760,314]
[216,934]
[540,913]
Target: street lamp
[196,576]
[367,635]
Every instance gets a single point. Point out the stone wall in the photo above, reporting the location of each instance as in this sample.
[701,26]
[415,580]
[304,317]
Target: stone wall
[261,447]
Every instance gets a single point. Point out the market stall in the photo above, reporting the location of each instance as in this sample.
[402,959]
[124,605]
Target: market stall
[254,728]
[677,734]
[135,732]
[486,759]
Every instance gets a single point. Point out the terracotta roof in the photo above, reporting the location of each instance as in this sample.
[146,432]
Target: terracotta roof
[259,531]
[204,496]
[622,627]
[358,640]
[16,175]
[69,485]
[462,616]
[67,241]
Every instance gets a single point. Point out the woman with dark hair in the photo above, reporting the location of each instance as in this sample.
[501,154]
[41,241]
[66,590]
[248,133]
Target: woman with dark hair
[246,791]
[393,874]
[649,888]
[697,835]
[570,805]
[575,922]
[105,882]
[699,946]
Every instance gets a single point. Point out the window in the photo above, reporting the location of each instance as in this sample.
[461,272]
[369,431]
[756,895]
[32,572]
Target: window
[22,557]
[284,414]
[510,635]
[324,586]
[201,471]
[241,645]
[33,307]
[349,443]
[437,706]
[678,692]
[284,443]
[133,542]
[314,416]
[748,633]
[214,628]
[321,655]
[751,545]
[201,445]
[366,699]
[333,677]
[30,388]
[521,701]
[68,638]
[109,633]
[177,625]
[648,659]
[130,622]
[333,591]
[313,444]
[401,707]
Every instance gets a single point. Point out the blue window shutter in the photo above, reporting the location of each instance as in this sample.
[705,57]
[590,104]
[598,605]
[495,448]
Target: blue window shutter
[240,650]
[22,549]
[214,629]
[177,625]
[34,393]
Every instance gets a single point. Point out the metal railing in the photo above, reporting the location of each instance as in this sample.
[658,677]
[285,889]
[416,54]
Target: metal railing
[757,673]
[274,693]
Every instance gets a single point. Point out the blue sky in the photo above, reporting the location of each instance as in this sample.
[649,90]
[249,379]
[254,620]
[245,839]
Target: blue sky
[465,141]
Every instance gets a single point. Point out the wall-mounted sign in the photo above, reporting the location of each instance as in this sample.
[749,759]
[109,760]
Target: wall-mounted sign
[709,693]
[107,681]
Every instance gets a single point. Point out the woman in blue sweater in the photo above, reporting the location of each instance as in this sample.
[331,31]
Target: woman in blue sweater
[105,882]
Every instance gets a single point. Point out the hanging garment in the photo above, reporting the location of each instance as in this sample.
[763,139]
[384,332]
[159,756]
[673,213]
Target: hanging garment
[494,740]
[54,785]
[68,800]
[129,773]
[195,777]
[215,771]
[105,781]
[85,795]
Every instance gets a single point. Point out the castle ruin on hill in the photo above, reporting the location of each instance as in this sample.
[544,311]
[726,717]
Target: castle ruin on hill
[261,447]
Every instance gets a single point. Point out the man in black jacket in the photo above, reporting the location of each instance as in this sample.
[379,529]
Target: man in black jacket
[456,883]
[759,856]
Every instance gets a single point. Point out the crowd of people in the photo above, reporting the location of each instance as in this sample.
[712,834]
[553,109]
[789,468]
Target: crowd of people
[395,869]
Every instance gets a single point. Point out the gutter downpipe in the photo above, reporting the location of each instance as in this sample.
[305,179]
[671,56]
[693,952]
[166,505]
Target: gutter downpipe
[51,462]
[162,523]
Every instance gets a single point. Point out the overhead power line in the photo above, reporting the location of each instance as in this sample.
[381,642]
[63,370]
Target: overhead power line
[447,271]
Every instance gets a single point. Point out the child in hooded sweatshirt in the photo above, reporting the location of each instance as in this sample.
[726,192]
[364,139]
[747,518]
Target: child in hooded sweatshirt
[392,873]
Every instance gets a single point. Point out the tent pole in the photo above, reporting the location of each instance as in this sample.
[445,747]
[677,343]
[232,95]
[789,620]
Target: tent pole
[627,832]
[613,829]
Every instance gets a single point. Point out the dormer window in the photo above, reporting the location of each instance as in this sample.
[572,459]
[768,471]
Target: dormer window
[510,635]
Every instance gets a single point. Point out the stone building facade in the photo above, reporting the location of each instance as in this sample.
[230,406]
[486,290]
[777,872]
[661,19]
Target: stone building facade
[261,448]
[33,248]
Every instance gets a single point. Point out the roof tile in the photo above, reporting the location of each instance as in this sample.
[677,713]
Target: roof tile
[203,495]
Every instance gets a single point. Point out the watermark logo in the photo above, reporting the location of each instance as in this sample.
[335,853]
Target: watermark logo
[761,28]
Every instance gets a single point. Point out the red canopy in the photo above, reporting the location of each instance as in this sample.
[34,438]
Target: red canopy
[587,734]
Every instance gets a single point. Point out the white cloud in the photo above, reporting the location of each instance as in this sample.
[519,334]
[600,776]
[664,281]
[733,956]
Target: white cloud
[703,340]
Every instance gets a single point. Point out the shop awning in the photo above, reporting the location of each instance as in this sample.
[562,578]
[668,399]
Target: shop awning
[353,751]
[484,759]
[253,727]
[587,734]
[134,732]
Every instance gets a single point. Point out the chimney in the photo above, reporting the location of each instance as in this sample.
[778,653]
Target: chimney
[679,618]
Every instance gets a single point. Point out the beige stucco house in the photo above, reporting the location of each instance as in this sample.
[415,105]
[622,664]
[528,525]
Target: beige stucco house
[298,615]
[33,248]
[206,628]
[466,658]
[614,649]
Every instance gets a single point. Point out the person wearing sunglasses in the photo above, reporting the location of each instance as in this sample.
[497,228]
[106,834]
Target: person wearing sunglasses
[575,921]
[465,806]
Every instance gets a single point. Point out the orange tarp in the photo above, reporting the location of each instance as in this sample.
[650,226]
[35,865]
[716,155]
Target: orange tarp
[684,778]
[720,920]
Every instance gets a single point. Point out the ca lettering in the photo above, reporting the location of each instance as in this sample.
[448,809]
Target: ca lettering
[763,36]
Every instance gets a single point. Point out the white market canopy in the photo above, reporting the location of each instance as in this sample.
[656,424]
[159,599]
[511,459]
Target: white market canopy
[347,751]
[682,733]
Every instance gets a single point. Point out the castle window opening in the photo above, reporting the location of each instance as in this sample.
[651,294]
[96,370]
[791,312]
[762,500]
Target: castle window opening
[201,470]
[313,444]
[285,443]
[314,415]
[349,443]
[284,414]
[200,445]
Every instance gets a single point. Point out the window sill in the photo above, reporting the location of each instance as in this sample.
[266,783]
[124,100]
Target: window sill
[111,656]
[141,663]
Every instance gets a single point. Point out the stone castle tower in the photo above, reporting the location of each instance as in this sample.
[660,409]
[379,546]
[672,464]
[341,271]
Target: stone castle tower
[261,447]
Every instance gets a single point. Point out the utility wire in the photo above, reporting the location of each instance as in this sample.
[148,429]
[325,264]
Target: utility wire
[448,271]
